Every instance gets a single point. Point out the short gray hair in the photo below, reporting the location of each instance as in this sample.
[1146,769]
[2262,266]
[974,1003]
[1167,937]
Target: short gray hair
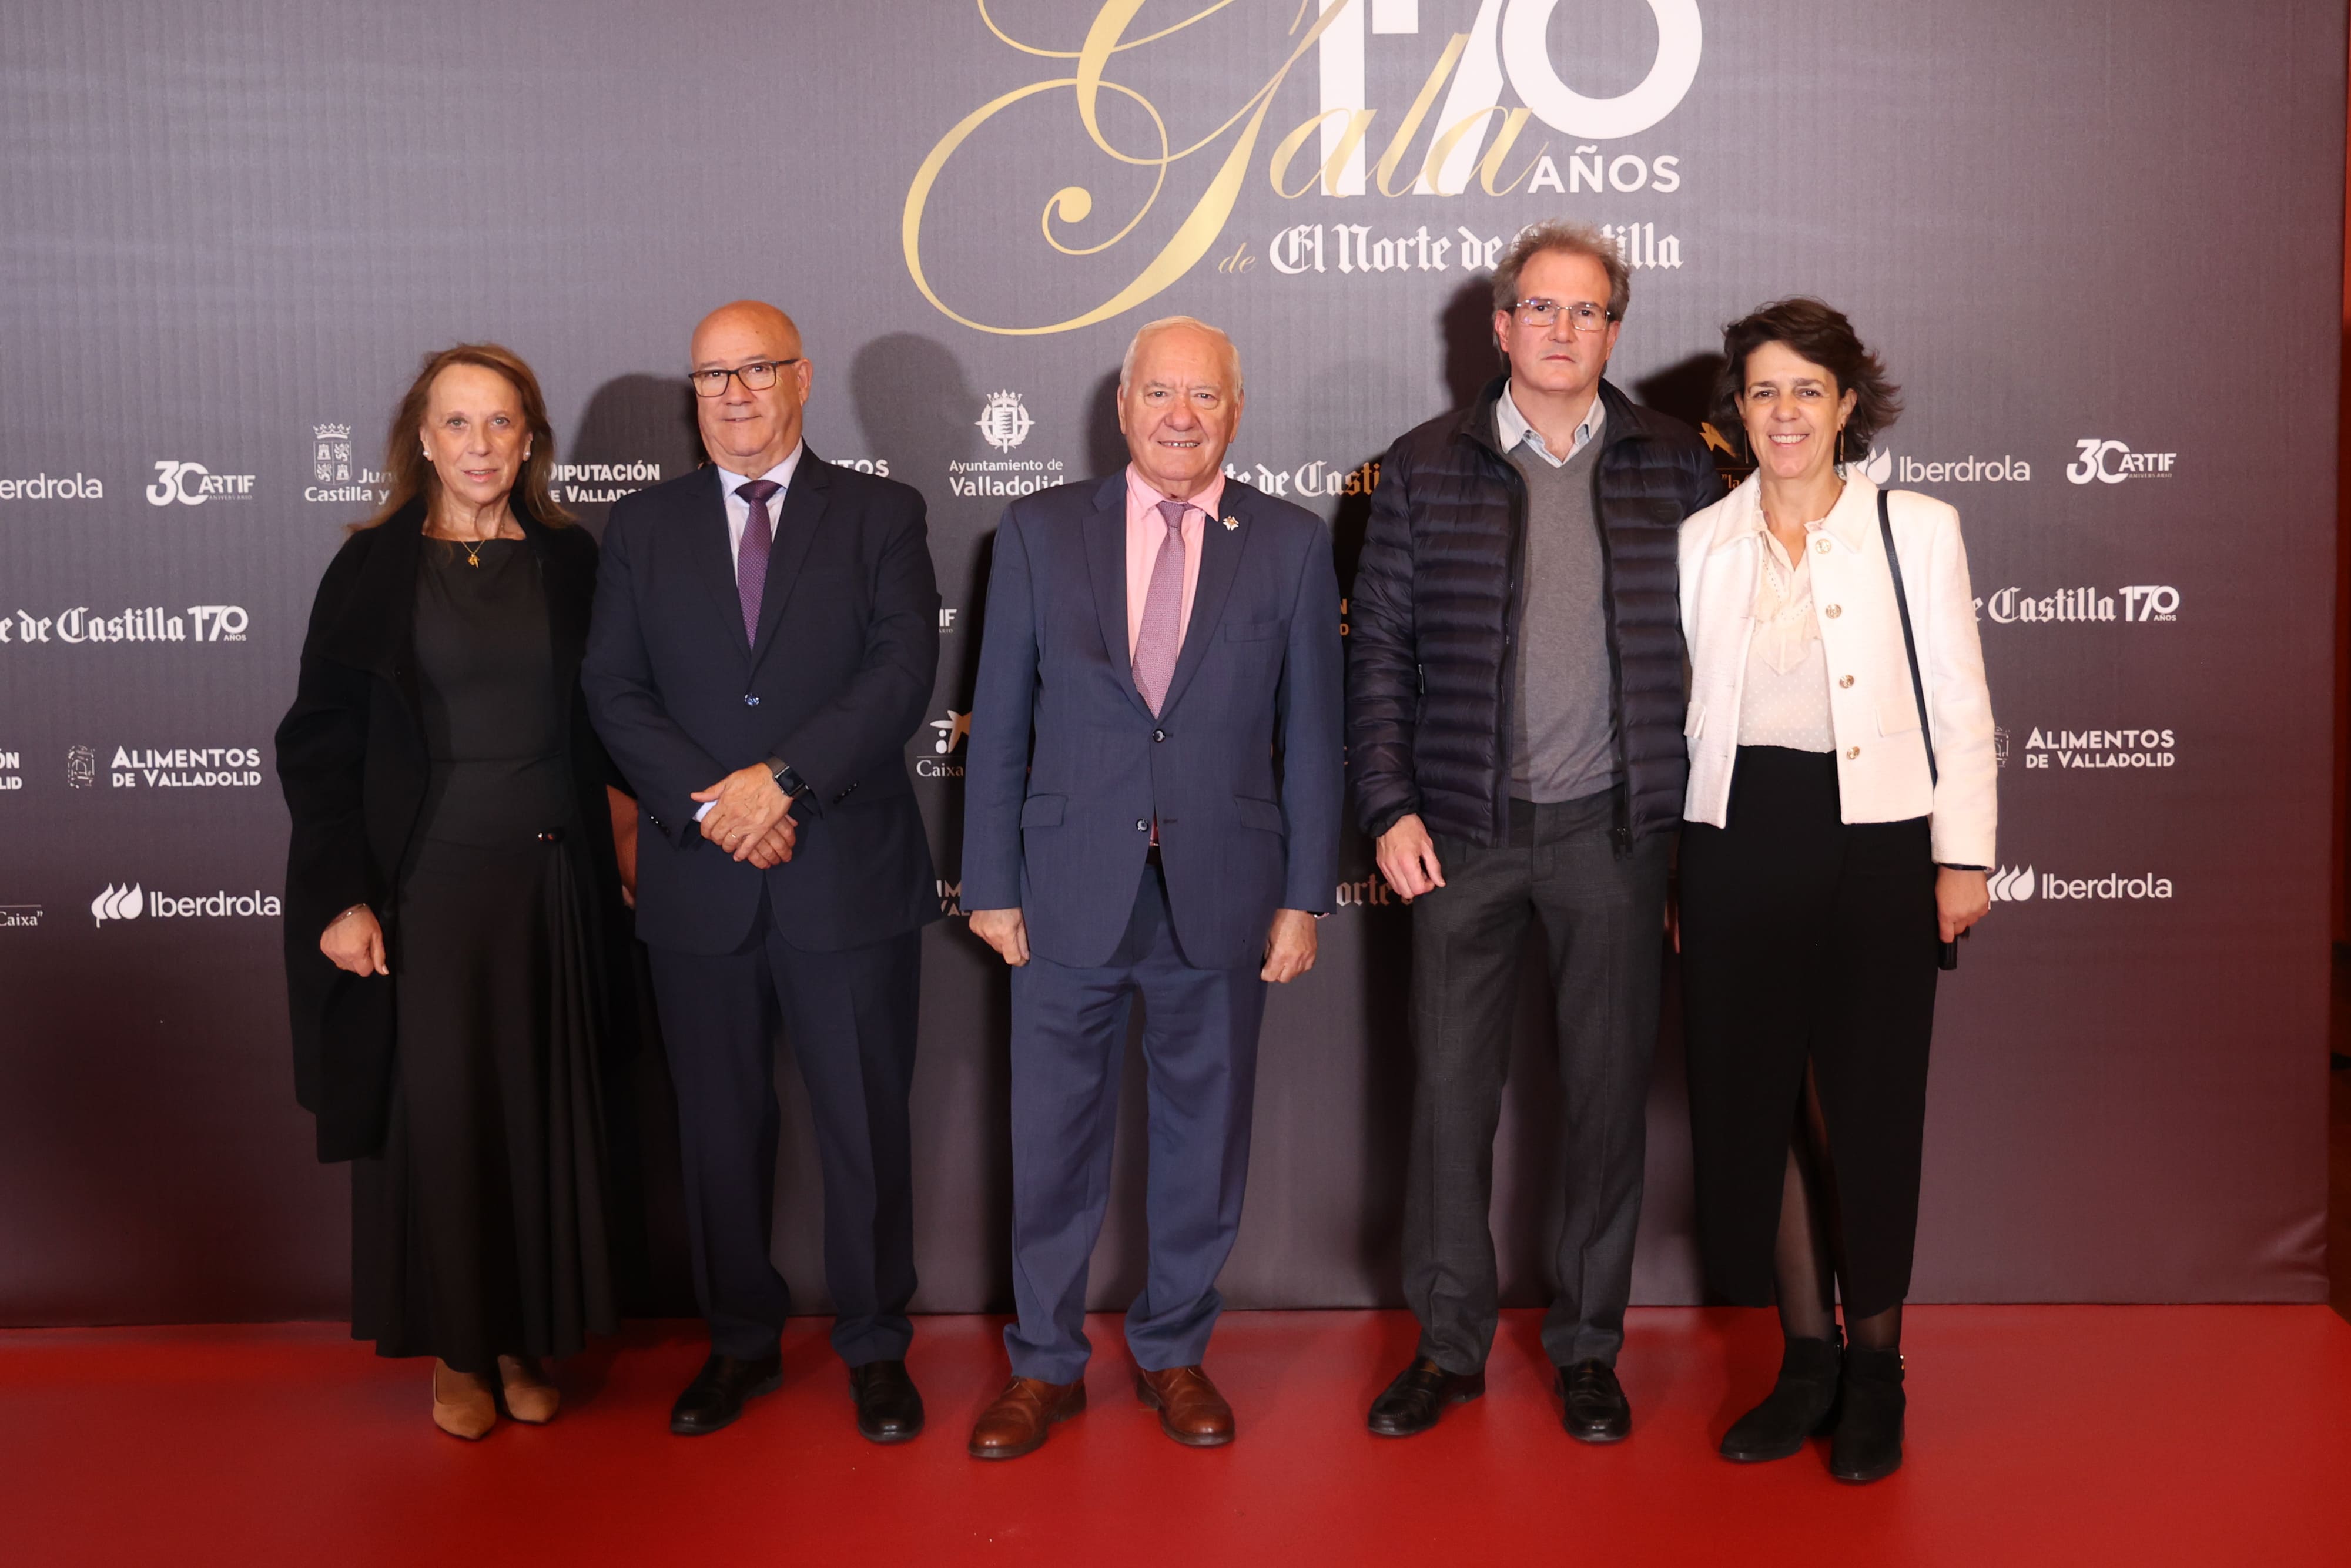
[1169,323]
[1574,240]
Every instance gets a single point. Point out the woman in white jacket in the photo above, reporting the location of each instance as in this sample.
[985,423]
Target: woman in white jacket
[1836,835]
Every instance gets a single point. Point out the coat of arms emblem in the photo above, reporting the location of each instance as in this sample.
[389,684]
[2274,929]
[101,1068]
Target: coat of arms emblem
[1003,421]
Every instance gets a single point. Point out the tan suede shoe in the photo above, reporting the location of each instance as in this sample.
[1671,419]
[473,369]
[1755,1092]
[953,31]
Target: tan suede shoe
[1190,1409]
[531,1397]
[1017,1423]
[462,1405]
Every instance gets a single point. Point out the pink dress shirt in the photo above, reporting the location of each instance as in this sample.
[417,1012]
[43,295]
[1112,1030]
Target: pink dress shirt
[1147,530]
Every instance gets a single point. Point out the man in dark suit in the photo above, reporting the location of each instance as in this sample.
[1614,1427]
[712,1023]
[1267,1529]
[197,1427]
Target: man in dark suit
[1171,639]
[765,640]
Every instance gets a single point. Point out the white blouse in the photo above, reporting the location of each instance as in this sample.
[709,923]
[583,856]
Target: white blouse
[1786,702]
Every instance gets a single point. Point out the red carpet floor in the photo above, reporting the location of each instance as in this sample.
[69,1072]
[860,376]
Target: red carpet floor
[2060,1435]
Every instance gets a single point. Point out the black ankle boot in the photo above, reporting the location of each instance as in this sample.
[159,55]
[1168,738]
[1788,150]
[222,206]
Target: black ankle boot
[1802,1403]
[1868,1444]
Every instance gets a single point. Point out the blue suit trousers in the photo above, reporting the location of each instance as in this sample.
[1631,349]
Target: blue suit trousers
[1199,1047]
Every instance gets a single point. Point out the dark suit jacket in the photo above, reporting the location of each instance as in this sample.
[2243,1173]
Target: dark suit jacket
[1243,764]
[836,683]
[352,762]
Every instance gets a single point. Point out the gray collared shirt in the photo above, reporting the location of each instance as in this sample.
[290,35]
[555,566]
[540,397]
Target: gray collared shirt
[1511,427]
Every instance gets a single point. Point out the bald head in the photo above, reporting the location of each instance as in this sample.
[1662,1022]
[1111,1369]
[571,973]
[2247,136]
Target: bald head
[753,317]
[749,430]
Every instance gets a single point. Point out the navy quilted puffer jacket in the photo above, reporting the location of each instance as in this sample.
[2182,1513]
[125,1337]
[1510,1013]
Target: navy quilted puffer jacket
[1435,606]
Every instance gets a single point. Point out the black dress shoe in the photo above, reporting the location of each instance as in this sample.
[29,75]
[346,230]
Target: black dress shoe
[1420,1392]
[716,1396]
[1867,1445]
[1801,1404]
[889,1411]
[1592,1407]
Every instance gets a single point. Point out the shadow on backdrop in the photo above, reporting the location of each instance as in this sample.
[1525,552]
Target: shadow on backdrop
[1684,390]
[631,419]
[913,399]
[635,418]
[1105,444]
[1466,326]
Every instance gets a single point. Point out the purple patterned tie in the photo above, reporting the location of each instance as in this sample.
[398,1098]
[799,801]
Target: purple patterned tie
[751,560]
[1162,633]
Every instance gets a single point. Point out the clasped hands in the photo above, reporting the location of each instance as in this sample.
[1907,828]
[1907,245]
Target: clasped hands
[750,816]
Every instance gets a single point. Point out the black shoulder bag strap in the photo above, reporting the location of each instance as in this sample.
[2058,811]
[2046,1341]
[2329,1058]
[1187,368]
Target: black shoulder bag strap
[1949,957]
[1909,642]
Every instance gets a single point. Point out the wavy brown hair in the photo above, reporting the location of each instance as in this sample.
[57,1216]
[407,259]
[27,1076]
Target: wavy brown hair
[1816,330]
[411,472]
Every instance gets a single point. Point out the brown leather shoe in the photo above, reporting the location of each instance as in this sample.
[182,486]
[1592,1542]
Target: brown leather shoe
[1190,1409]
[1017,1423]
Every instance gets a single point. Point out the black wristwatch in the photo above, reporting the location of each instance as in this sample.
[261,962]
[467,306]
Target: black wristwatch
[790,783]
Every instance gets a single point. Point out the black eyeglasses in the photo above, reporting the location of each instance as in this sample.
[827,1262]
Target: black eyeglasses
[757,376]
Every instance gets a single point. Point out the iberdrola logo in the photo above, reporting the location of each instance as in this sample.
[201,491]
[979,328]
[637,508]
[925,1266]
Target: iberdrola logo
[118,903]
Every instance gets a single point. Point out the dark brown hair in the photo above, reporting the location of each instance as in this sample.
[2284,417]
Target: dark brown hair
[411,472]
[1818,331]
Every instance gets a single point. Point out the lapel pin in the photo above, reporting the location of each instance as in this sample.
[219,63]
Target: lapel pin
[1232,522]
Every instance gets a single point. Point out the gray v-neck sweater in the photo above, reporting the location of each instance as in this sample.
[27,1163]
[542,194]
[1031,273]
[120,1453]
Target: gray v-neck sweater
[1563,733]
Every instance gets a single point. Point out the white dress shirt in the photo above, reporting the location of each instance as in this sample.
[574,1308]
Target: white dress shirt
[739,510]
[1511,427]
[738,517]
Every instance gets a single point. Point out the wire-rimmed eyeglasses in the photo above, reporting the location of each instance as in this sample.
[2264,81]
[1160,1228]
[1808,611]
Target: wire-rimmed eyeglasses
[1581,314]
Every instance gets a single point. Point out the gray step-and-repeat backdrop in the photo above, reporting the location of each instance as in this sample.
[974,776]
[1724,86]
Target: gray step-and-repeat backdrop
[2097,244]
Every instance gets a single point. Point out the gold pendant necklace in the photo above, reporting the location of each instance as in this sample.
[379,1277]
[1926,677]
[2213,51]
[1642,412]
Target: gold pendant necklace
[473,547]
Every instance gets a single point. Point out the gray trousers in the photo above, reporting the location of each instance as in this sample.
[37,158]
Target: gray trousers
[1603,917]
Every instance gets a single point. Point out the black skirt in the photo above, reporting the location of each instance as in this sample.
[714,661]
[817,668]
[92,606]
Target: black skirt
[1806,939]
[479,1230]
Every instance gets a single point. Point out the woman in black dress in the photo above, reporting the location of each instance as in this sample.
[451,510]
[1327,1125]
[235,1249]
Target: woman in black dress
[449,926]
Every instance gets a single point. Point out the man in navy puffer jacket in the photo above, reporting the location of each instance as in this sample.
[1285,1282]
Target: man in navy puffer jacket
[1514,716]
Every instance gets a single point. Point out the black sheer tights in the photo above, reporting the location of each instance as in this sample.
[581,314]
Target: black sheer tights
[1804,1255]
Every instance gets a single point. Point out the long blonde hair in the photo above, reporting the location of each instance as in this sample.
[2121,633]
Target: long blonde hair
[411,472]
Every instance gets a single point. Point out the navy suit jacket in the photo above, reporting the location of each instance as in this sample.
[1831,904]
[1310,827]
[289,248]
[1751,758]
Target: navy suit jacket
[836,683]
[1242,765]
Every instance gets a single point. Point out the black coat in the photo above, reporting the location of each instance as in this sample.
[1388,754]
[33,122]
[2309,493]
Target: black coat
[835,684]
[351,759]
[1434,609]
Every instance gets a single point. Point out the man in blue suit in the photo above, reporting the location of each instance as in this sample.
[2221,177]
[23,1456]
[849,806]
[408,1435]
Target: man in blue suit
[1171,640]
[765,638]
